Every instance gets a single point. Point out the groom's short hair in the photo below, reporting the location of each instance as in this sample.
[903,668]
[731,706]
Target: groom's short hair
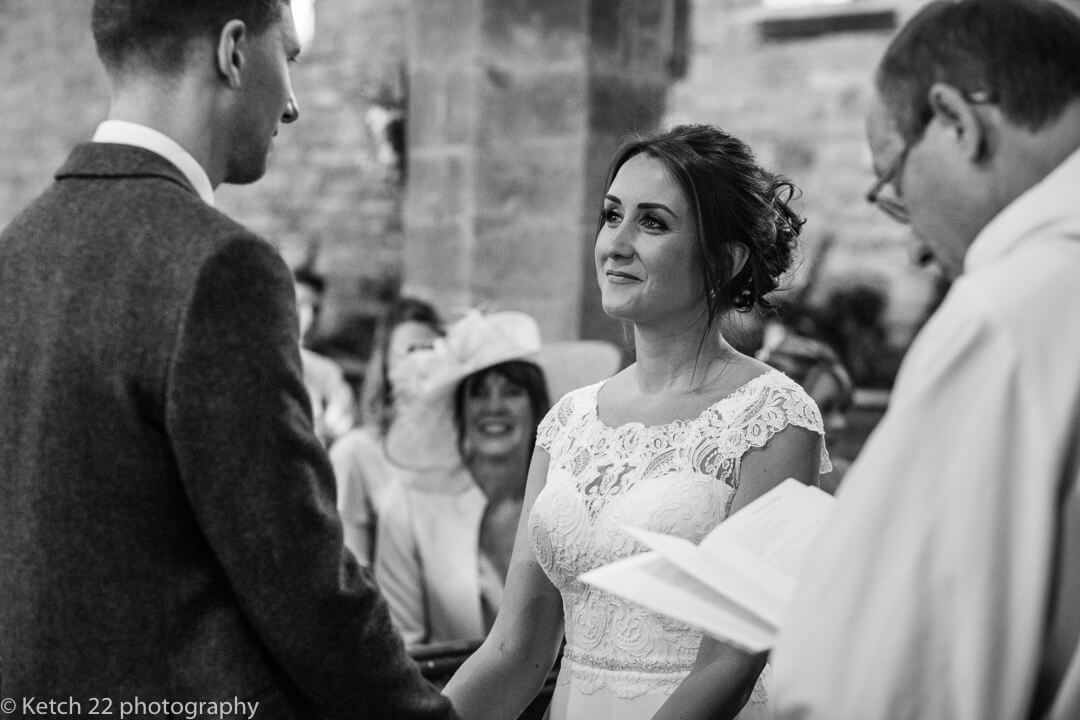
[155,34]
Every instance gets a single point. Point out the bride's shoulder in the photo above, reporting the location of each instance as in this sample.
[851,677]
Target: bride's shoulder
[742,377]
[571,408]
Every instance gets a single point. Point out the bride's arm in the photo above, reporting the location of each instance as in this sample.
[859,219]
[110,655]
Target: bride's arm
[503,676]
[719,685]
[723,677]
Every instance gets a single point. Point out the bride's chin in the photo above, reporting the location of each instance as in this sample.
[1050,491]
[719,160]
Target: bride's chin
[618,311]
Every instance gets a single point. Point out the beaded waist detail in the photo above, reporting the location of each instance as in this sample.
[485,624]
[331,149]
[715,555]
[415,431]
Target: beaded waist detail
[642,665]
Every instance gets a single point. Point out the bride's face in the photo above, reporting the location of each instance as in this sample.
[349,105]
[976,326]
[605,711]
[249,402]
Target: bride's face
[646,253]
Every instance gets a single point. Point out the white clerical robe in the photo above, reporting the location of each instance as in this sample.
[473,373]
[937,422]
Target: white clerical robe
[932,594]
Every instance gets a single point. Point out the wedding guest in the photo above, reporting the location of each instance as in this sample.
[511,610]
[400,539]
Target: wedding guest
[815,366]
[332,403]
[690,227]
[167,528]
[362,470]
[947,582]
[467,432]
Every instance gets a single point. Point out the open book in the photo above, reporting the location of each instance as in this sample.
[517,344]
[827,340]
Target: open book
[735,585]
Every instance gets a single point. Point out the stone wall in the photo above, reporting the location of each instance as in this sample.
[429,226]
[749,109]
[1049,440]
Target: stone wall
[333,189]
[333,193]
[800,103]
[514,109]
[52,93]
[516,106]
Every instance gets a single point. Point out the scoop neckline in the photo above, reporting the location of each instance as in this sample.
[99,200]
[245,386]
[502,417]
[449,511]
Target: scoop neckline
[677,422]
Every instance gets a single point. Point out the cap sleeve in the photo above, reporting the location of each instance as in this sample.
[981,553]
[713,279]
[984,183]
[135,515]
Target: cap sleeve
[778,403]
[552,430]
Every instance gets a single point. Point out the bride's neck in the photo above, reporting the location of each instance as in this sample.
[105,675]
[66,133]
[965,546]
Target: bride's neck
[682,362]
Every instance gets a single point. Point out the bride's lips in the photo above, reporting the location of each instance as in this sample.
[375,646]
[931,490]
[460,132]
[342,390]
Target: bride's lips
[617,276]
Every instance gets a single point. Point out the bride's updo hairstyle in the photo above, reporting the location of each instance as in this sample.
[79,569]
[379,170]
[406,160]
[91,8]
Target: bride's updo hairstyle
[735,201]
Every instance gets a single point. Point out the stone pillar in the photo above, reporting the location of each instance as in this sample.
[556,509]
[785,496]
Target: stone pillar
[514,108]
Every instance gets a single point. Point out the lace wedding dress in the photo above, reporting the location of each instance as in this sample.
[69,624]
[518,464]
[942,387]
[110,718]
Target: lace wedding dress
[621,662]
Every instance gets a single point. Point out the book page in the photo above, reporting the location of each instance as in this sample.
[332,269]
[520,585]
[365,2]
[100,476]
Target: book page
[651,581]
[753,557]
[737,584]
[769,538]
[731,581]
[776,528]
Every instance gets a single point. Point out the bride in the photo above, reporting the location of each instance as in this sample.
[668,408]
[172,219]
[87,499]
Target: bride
[691,228]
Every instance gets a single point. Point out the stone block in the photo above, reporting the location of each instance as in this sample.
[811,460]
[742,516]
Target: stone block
[651,35]
[620,104]
[650,16]
[528,253]
[647,39]
[531,33]
[438,256]
[439,189]
[533,262]
[444,32]
[540,180]
[534,104]
[441,106]
[606,27]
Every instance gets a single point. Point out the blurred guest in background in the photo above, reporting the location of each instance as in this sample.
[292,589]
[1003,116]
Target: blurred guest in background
[332,401]
[947,582]
[467,430]
[815,366]
[361,467]
[852,322]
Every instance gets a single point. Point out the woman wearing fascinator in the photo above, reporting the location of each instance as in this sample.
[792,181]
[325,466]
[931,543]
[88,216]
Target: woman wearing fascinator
[463,436]
[690,228]
[363,472]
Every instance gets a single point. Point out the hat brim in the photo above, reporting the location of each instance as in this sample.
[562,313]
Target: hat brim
[423,436]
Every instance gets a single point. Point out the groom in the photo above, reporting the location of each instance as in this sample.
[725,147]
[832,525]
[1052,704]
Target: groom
[167,522]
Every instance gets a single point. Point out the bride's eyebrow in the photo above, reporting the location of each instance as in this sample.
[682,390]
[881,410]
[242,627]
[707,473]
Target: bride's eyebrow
[644,205]
[657,206]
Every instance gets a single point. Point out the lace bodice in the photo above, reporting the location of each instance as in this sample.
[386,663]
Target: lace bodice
[678,478]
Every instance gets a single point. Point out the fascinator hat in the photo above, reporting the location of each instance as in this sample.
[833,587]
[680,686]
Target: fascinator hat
[423,436]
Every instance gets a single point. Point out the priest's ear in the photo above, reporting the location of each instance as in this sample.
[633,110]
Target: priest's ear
[956,112]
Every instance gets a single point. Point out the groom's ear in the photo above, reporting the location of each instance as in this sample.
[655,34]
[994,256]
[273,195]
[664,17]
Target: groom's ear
[231,46]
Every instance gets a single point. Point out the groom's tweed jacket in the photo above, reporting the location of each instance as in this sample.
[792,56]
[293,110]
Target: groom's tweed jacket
[167,519]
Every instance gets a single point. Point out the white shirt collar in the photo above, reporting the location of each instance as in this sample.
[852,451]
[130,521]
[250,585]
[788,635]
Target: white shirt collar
[1051,201]
[129,133]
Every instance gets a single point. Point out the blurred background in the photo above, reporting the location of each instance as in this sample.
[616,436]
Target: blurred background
[454,150]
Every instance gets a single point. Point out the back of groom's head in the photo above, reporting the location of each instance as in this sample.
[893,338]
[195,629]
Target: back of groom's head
[1025,54]
[156,34]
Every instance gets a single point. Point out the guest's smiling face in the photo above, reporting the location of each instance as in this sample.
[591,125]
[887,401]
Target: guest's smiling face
[498,414]
[646,253]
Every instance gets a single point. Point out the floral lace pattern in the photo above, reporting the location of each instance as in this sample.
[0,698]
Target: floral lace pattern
[679,478]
